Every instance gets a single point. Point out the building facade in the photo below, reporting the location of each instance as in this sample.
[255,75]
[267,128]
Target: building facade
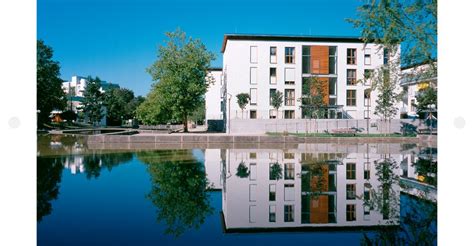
[260,65]
[416,79]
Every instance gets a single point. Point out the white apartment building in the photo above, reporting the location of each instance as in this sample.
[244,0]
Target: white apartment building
[415,79]
[261,64]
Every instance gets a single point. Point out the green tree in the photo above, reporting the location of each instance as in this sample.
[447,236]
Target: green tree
[93,100]
[391,23]
[117,100]
[242,101]
[315,92]
[242,170]
[179,188]
[49,95]
[425,98]
[181,72]
[276,100]
[199,115]
[276,172]
[152,112]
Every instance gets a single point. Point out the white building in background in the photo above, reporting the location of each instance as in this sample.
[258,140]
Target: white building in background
[261,64]
[214,96]
[74,90]
[416,79]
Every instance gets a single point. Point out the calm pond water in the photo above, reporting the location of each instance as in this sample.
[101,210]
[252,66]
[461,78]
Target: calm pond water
[331,194]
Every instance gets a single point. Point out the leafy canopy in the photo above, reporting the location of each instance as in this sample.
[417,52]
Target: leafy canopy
[49,95]
[181,75]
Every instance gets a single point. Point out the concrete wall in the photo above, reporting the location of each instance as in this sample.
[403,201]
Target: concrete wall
[260,126]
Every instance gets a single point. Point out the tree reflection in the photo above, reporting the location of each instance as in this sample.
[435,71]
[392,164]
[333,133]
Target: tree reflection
[48,178]
[94,163]
[417,226]
[242,170]
[178,189]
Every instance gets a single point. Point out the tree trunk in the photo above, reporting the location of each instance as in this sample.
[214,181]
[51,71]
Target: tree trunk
[185,122]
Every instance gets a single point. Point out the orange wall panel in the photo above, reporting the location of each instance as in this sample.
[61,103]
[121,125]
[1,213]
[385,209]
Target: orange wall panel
[320,59]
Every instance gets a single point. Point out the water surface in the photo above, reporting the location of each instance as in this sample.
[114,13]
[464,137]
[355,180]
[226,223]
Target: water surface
[331,194]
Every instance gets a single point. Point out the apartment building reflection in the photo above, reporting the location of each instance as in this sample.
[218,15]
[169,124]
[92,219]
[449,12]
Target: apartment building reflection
[316,186]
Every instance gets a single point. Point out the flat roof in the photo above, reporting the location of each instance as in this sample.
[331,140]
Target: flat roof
[298,38]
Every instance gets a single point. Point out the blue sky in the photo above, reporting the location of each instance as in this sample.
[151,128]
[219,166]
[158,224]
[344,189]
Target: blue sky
[118,39]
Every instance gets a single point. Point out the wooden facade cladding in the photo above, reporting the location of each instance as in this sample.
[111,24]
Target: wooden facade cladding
[319,59]
[324,87]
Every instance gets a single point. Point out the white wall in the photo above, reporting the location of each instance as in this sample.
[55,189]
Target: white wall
[213,97]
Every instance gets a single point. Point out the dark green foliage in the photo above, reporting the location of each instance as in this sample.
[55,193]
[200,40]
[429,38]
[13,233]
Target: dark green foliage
[425,98]
[276,171]
[93,100]
[242,101]
[48,178]
[49,94]
[199,115]
[242,170]
[121,105]
[181,75]
[178,189]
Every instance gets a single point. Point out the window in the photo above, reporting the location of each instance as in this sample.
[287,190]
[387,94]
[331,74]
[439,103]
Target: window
[272,92]
[367,76]
[253,54]
[289,192]
[289,114]
[253,75]
[332,86]
[253,155]
[332,101]
[385,56]
[253,114]
[367,97]
[366,213]
[253,96]
[289,171]
[367,58]
[351,56]
[252,192]
[350,212]
[350,171]
[350,191]
[273,54]
[273,75]
[252,213]
[289,97]
[290,55]
[412,104]
[273,113]
[351,77]
[289,213]
[306,59]
[289,155]
[332,60]
[366,114]
[272,193]
[253,171]
[351,98]
[289,76]
[272,213]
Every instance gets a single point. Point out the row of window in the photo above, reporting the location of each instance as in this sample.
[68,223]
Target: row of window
[351,76]
[289,213]
[352,56]
[272,113]
[289,96]
[289,76]
[351,170]
[290,55]
[289,171]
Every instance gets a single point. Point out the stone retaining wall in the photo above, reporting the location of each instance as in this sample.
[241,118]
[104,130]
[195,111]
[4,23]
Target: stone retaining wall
[219,139]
